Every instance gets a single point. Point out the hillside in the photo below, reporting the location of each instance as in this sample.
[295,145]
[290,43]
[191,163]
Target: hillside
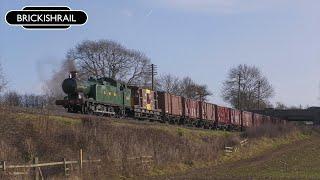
[296,160]
[50,136]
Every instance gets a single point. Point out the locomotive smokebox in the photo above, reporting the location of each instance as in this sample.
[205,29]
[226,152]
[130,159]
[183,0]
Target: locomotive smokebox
[69,86]
[73,74]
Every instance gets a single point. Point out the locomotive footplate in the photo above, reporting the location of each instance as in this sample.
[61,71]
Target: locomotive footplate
[143,113]
[66,102]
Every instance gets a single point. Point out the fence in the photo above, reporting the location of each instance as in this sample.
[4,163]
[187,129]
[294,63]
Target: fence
[229,149]
[36,166]
[130,166]
[143,161]
[244,142]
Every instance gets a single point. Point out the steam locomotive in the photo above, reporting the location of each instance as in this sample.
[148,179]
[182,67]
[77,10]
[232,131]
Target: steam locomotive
[108,97]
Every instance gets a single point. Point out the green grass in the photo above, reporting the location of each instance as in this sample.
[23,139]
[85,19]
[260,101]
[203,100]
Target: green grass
[295,162]
[27,116]
[260,146]
[175,130]
[194,133]
[299,163]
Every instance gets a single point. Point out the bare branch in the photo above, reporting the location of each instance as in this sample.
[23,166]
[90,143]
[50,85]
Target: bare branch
[255,89]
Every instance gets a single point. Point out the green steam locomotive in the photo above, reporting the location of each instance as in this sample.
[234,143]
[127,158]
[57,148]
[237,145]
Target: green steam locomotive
[106,96]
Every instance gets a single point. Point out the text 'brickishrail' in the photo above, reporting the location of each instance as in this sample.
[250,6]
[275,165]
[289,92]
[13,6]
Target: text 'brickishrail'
[54,18]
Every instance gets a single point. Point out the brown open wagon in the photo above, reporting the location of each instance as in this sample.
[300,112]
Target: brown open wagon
[236,118]
[191,110]
[223,117]
[257,120]
[171,106]
[208,114]
[247,119]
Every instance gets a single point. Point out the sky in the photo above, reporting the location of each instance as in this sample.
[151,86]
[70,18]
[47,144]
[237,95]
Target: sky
[202,39]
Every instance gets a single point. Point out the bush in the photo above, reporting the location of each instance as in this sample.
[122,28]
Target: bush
[269,130]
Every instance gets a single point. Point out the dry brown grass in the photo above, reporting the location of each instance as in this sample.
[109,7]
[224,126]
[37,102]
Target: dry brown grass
[25,134]
[269,131]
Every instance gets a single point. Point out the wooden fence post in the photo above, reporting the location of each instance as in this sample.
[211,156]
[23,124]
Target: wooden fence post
[80,160]
[35,169]
[66,169]
[3,164]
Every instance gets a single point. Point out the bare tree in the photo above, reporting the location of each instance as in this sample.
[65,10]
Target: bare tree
[12,98]
[3,80]
[193,90]
[246,88]
[185,87]
[101,58]
[280,105]
[34,101]
[106,58]
[202,92]
[137,72]
[169,83]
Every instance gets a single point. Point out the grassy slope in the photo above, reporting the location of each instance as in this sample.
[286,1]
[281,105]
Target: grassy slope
[176,150]
[294,161]
[293,156]
[24,135]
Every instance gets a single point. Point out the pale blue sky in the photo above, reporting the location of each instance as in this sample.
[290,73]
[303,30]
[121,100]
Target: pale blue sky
[198,38]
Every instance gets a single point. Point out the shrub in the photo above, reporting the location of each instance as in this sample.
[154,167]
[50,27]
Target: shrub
[269,130]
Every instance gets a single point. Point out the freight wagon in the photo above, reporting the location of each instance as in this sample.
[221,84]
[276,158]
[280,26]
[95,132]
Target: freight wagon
[145,103]
[208,115]
[171,107]
[236,118]
[266,119]
[223,117]
[191,111]
[105,96]
[247,119]
[257,119]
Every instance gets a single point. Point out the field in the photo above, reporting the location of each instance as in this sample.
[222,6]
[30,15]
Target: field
[295,160]
[176,151]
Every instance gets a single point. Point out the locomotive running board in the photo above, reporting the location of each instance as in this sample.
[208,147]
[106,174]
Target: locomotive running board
[105,112]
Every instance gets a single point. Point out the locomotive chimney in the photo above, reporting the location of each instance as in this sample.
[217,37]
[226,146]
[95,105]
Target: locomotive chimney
[73,74]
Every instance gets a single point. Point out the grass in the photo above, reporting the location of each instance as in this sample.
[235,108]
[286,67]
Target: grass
[260,146]
[61,119]
[175,149]
[24,135]
[180,130]
[297,162]
[292,156]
